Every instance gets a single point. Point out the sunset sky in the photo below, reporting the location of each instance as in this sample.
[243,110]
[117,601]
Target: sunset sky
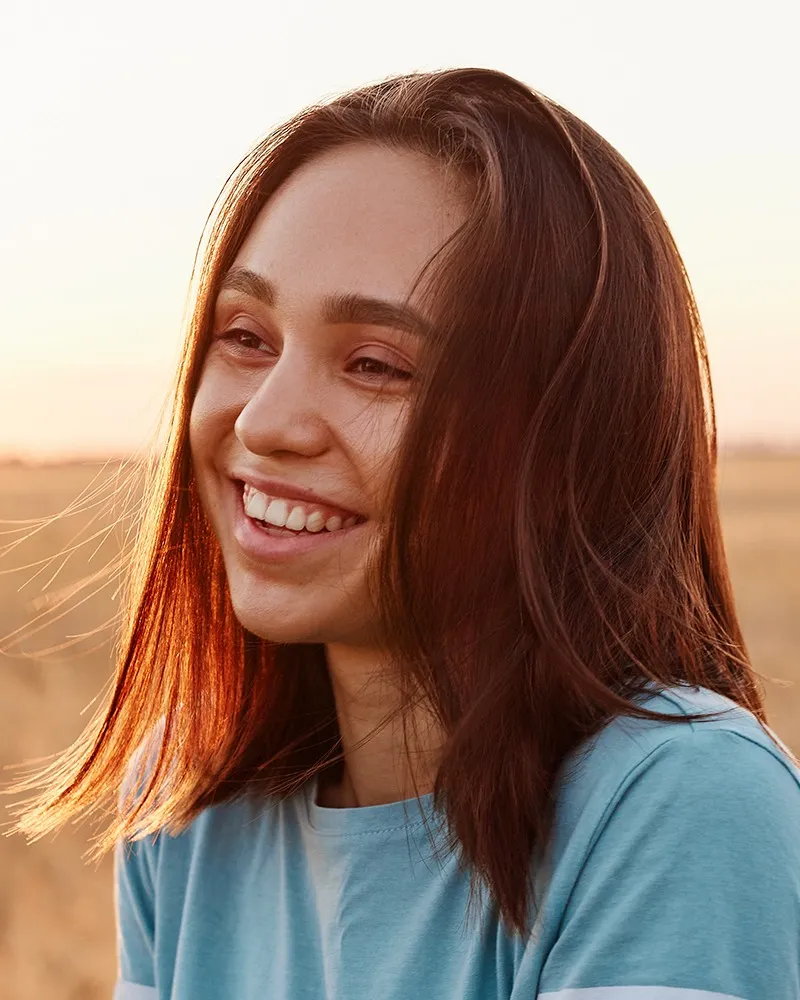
[121,122]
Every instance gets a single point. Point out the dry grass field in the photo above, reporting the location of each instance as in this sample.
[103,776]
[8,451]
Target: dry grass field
[56,913]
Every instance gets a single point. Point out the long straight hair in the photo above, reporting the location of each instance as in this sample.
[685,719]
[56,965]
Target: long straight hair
[554,548]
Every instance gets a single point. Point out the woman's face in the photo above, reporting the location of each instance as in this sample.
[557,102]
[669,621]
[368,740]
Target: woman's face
[307,384]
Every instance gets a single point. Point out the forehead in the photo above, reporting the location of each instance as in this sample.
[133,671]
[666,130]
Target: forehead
[360,218]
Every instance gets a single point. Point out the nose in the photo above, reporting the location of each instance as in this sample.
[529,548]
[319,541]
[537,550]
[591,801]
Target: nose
[286,413]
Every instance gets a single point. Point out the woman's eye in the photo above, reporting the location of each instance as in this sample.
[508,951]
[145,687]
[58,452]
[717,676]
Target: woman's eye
[375,369]
[246,339]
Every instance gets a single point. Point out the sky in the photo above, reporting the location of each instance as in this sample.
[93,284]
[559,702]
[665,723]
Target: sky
[121,122]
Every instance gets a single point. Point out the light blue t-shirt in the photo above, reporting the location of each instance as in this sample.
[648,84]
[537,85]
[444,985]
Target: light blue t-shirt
[673,874]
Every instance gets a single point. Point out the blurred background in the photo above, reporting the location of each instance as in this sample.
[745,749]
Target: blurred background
[120,125]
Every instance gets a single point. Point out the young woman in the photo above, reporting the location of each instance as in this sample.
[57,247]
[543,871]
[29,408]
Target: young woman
[432,664]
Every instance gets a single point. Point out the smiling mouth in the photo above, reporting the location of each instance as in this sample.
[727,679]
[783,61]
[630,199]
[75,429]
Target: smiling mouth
[283,517]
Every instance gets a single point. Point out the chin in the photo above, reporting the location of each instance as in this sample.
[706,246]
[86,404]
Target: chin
[283,627]
[285,620]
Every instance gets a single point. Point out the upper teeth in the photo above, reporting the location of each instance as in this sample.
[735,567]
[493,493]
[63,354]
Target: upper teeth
[289,514]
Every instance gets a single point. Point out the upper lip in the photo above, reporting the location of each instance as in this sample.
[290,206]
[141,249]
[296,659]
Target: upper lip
[280,488]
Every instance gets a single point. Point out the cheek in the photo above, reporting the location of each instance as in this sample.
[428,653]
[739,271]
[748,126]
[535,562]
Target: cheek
[207,417]
[198,429]
[376,440]
[206,429]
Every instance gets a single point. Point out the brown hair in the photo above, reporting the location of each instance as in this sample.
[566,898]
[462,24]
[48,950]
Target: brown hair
[554,547]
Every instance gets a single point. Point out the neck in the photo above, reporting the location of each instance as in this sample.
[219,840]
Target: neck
[377,768]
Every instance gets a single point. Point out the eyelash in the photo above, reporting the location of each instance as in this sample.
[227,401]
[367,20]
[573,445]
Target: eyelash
[387,370]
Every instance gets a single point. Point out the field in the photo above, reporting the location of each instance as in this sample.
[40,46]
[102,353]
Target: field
[56,913]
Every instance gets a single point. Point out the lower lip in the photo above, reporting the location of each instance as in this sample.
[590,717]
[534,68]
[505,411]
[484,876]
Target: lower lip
[260,544]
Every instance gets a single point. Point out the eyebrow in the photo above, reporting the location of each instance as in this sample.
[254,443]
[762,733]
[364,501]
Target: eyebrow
[342,307]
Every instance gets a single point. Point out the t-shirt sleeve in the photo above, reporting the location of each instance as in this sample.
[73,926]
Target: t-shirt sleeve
[691,888]
[135,918]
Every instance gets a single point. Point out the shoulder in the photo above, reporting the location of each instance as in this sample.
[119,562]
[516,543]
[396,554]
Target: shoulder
[677,857]
[731,755]
[641,786]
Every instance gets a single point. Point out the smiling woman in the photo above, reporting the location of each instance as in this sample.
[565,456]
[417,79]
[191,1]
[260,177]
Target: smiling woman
[432,684]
